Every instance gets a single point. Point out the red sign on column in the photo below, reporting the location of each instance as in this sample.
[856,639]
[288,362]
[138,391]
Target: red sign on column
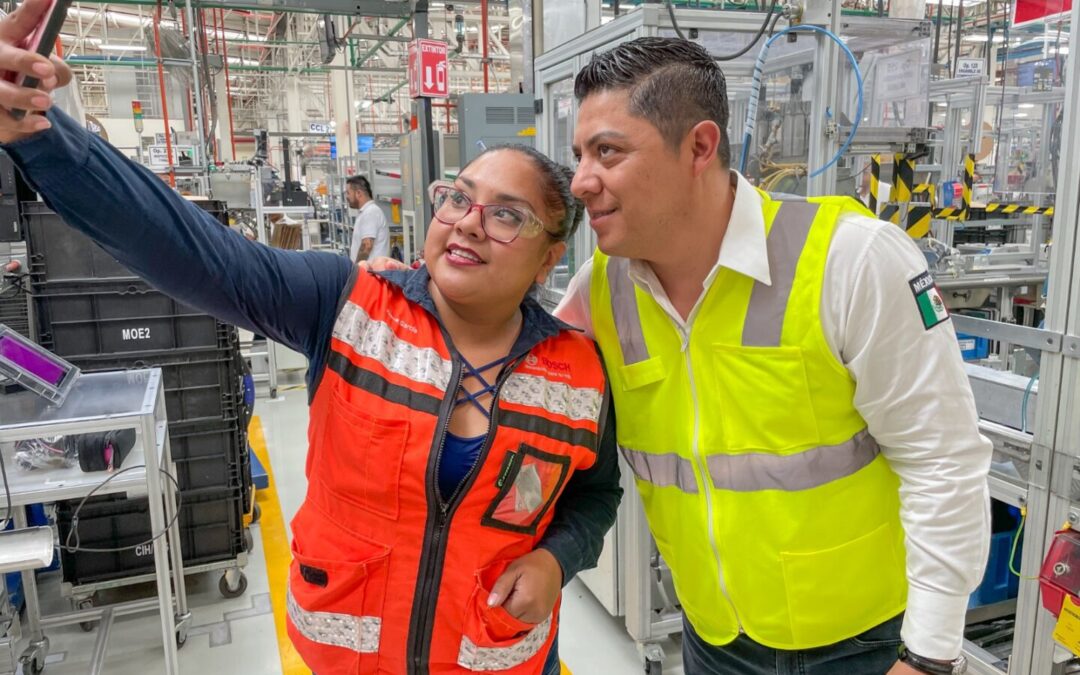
[428,68]
[1032,11]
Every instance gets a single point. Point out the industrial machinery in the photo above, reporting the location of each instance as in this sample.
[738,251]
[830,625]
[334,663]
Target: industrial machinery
[487,120]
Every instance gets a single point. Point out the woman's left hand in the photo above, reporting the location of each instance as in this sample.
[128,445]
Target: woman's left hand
[529,587]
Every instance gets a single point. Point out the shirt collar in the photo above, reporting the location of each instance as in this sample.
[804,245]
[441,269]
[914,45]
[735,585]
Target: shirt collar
[743,249]
[537,324]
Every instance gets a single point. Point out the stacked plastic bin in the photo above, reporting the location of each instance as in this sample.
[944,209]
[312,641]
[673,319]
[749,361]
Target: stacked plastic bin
[98,315]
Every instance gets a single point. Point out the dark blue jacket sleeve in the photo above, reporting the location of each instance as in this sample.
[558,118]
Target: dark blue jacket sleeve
[289,296]
[586,509]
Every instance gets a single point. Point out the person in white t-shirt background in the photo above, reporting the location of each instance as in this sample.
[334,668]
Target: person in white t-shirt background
[371,233]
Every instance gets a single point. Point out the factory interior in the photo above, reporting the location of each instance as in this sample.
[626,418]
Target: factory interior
[160,457]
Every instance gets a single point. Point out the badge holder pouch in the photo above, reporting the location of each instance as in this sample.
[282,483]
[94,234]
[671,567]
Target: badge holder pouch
[34,368]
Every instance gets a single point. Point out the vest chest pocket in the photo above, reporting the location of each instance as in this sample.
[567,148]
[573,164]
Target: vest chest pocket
[764,398]
[529,481]
[361,456]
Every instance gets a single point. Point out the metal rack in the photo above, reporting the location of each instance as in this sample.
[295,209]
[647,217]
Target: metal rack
[104,402]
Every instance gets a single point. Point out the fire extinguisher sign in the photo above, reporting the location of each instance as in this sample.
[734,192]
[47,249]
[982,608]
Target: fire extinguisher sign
[428,69]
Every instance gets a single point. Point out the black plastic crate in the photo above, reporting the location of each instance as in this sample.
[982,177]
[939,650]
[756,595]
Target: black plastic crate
[199,385]
[79,320]
[61,253]
[209,455]
[14,310]
[211,530]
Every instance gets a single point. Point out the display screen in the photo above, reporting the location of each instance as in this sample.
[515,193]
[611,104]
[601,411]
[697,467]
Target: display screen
[31,361]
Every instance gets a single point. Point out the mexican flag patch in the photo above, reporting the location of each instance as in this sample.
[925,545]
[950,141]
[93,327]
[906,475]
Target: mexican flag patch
[928,299]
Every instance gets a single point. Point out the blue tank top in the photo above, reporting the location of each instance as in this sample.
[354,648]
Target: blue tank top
[459,455]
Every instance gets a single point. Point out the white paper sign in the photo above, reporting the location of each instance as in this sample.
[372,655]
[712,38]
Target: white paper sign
[158,157]
[970,67]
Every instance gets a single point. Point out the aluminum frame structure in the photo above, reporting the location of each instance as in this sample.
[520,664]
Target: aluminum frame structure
[558,66]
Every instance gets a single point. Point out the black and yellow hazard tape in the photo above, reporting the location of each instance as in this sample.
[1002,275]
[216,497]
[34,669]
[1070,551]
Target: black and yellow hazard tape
[1020,209]
[926,189]
[903,178]
[969,183]
[949,213]
[891,213]
[875,182]
[919,218]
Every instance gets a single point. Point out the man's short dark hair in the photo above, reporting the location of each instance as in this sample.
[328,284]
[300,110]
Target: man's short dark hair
[673,83]
[359,183]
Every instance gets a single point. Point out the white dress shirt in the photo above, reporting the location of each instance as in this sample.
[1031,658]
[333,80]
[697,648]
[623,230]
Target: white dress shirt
[911,388]
[371,224]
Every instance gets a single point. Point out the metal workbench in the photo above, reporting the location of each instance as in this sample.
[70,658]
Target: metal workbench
[102,402]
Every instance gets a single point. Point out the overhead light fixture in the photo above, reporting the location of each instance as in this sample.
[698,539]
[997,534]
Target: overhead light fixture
[1020,115]
[122,48]
[1026,105]
[119,18]
[981,37]
[942,104]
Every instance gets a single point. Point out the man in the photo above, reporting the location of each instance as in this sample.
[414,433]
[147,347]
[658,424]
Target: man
[789,390]
[371,234]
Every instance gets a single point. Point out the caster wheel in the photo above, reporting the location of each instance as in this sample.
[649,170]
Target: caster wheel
[86,626]
[273,392]
[249,541]
[34,666]
[227,592]
[256,514]
[181,640]
[652,668]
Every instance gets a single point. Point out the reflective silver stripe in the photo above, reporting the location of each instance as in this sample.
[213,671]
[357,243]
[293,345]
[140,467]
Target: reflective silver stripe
[768,304]
[801,471]
[560,398]
[376,339]
[483,659]
[662,470]
[624,308]
[358,633]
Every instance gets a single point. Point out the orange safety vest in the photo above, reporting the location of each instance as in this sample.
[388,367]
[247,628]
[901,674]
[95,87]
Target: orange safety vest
[388,576]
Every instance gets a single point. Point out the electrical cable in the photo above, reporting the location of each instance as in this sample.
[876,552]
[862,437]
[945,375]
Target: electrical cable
[754,41]
[1016,540]
[759,65]
[74,531]
[775,20]
[674,23]
[1024,402]
[7,494]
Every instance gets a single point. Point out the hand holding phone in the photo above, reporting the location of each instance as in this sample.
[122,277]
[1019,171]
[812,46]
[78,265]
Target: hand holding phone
[40,41]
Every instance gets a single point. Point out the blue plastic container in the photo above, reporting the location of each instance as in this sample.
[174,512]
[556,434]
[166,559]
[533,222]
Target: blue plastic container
[999,583]
[973,348]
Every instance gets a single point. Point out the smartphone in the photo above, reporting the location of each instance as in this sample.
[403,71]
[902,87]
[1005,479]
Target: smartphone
[41,41]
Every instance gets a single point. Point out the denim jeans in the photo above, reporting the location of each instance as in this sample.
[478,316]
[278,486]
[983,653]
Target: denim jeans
[870,653]
[552,666]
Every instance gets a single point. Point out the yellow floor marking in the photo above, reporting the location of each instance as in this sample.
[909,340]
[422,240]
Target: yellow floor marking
[276,550]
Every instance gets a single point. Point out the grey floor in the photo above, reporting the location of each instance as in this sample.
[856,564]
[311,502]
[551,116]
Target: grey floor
[238,636]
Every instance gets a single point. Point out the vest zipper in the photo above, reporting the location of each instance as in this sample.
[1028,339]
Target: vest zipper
[704,468]
[429,575]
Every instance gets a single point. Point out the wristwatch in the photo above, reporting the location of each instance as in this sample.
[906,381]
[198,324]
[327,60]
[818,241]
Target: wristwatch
[922,664]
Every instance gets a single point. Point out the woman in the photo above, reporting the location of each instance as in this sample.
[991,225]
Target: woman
[461,467]
[400,549]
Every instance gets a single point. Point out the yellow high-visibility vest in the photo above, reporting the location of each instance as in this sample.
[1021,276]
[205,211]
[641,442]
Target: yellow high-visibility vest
[764,491]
